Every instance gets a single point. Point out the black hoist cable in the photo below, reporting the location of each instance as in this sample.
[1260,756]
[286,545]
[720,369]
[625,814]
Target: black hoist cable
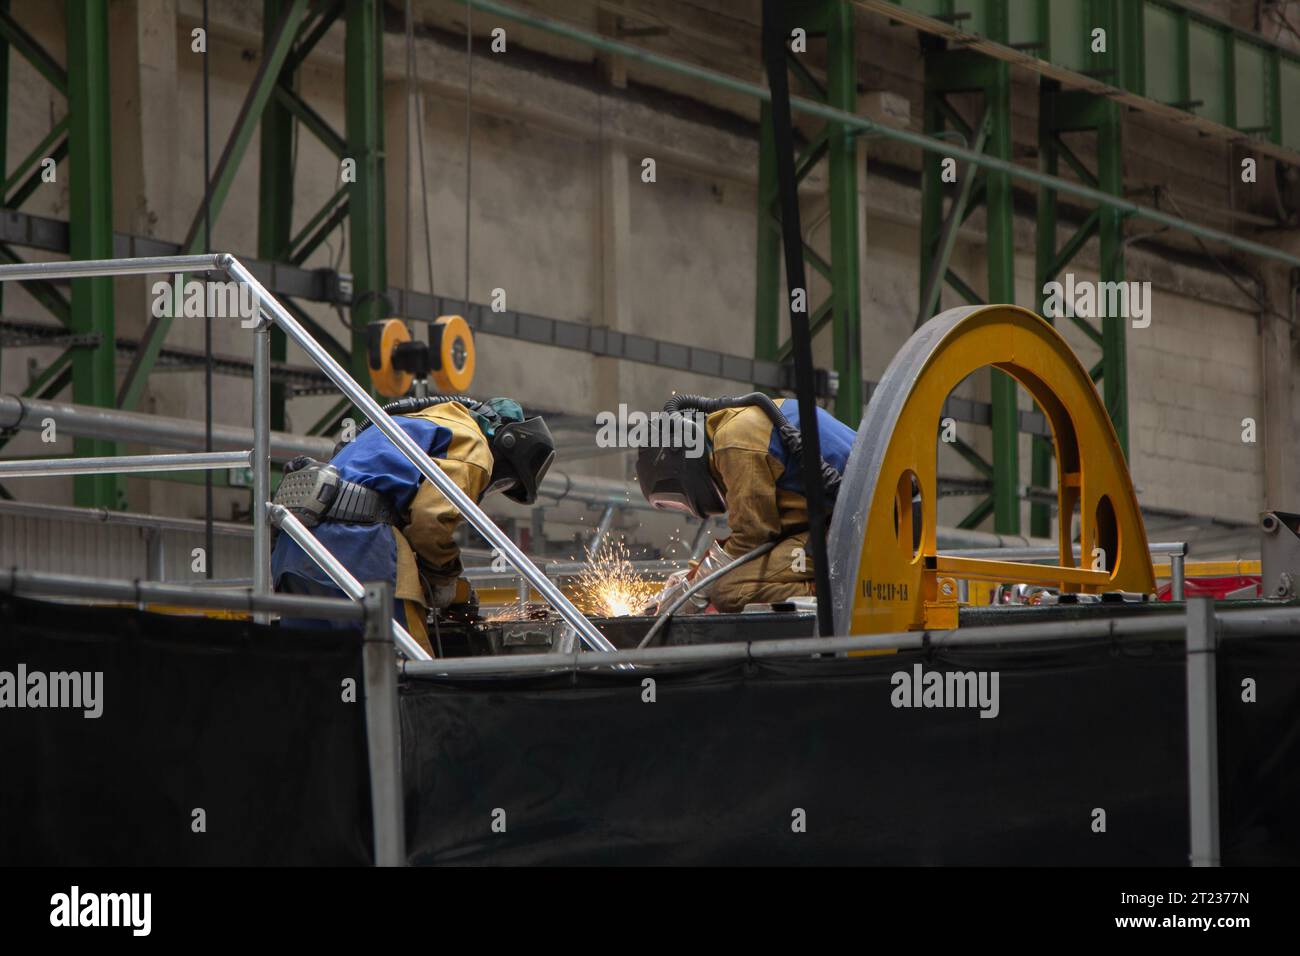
[775,33]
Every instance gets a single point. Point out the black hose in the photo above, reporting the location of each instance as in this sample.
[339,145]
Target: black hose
[408,406]
[790,436]
[682,598]
[745,558]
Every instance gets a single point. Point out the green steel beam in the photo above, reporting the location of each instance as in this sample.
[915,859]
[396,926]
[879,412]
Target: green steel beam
[90,226]
[316,124]
[45,293]
[977,515]
[812,154]
[1086,231]
[962,288]
[302,251]
[1163,57]
[33,52]
[805,78]
[310,33]
[246,124]
[275,189]
[975,459]
[1075,163]
[816,322]
[55,368]
[33,158]
[304,235]
[364,97]
[34,181]
[861,123]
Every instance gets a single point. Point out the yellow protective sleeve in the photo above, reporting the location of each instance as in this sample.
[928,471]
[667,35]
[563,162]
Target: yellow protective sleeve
[433,519]
[757,511]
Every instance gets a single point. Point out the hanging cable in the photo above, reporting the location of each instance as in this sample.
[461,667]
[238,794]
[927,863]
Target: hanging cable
[415,120]
[774,54]
[469,94]
[406,192]
[424,179]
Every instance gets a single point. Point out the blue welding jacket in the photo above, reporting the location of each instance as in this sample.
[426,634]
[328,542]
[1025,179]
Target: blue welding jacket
[836,441]
[368,551]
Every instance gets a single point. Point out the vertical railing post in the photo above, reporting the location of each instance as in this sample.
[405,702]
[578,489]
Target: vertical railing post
[261,458]
[1202,732]
[383,727]
[1178,575]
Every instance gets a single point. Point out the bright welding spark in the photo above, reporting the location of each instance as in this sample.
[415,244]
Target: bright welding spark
[610,587]
[514,611]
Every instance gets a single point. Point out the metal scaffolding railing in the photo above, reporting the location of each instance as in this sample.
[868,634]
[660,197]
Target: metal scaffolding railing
[271,312]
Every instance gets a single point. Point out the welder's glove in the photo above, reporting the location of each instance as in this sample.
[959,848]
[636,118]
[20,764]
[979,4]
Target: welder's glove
[451,592]
[299,463]
[679,581]
[674,585]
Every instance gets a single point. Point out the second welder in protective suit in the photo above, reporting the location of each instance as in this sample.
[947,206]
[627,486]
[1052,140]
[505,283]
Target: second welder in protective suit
[750,470]
[375,512]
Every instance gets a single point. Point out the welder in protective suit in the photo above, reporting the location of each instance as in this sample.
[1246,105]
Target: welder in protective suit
[750,470]
[384,522]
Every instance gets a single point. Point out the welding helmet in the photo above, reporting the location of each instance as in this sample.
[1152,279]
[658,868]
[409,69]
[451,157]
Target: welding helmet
[522,451]
[672,480]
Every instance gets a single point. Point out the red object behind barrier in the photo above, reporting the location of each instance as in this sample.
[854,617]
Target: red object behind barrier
[1217,588]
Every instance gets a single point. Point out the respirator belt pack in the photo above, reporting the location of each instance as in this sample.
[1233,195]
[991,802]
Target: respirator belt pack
[317,491]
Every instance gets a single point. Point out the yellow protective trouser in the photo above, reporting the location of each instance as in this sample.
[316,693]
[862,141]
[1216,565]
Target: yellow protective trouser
[415,625]
[769,579]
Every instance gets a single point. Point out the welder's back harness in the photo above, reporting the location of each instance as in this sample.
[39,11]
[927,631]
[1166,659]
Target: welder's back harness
[314,490]
[789,435]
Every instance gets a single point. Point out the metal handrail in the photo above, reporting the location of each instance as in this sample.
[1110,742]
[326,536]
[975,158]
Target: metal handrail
[124,464]
[272,312]
[155,592]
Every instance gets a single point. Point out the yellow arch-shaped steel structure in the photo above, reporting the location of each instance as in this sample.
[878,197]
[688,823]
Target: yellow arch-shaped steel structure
[887,578]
